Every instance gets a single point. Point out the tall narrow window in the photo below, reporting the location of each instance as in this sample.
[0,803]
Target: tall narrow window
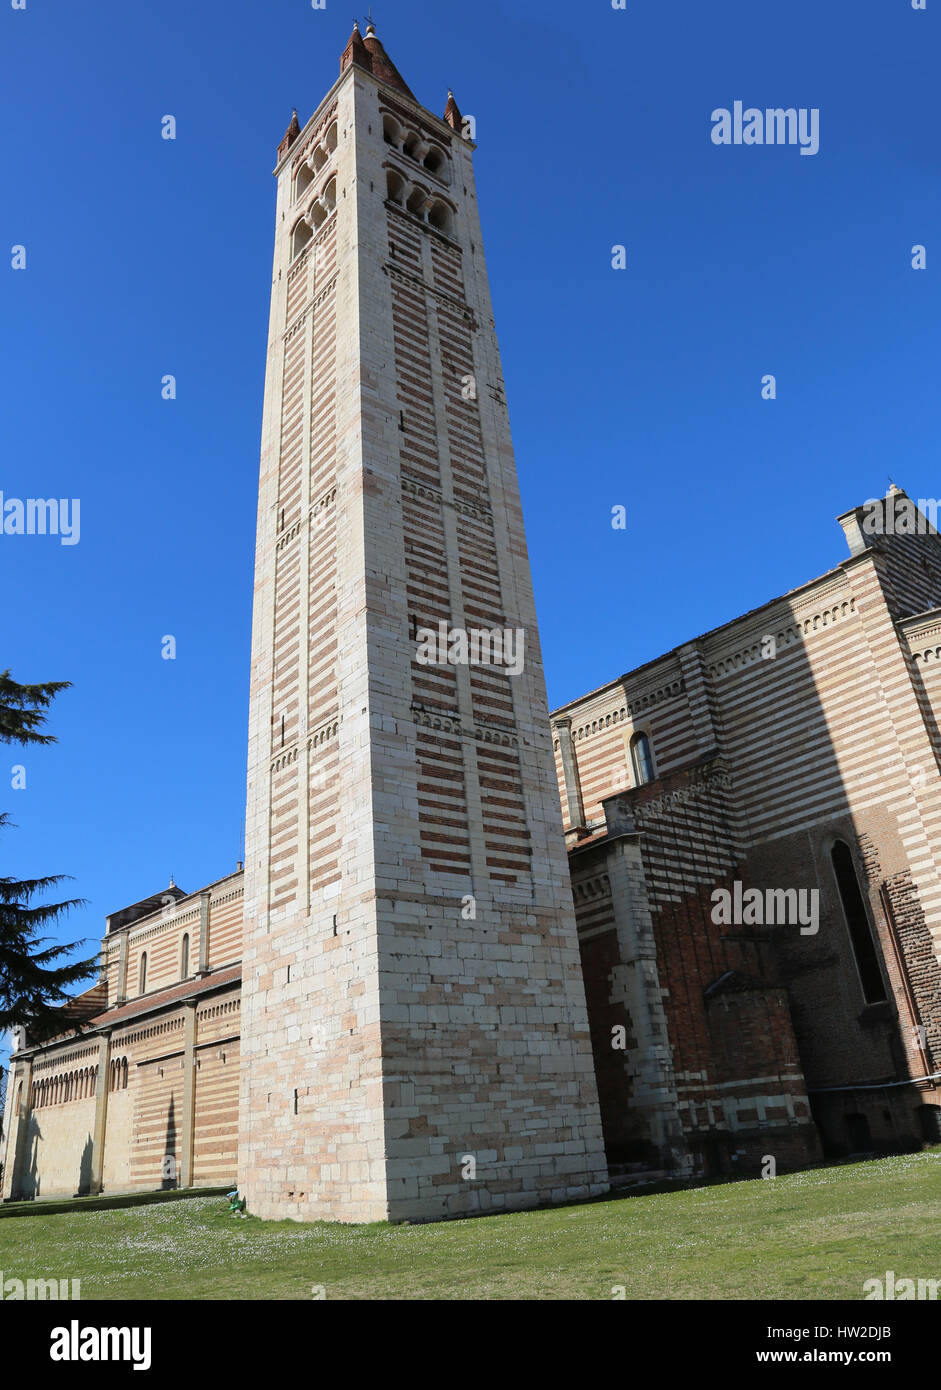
[641,759]
[142,986]
[185,956]
[857,920]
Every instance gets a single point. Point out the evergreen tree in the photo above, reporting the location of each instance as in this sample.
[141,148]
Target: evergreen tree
[32,985]
[22,709]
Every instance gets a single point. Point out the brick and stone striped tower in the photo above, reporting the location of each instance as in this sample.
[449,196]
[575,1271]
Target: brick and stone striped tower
[414,1039]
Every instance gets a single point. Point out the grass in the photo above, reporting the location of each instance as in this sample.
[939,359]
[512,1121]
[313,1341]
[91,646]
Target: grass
[127,1199]
[818,1234]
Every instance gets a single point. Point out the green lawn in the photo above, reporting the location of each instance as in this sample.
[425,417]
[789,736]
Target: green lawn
[817,1234]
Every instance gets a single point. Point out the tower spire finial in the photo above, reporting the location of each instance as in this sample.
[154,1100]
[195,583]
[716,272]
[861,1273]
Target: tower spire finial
[452,112]
[290,135]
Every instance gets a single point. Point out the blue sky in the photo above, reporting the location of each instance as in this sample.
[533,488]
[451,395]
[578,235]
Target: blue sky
[639,388]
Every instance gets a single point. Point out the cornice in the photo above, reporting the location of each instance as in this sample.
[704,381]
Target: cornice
[640,700]
[922,633]
[481,732]
[592,888]
[433,494]
[799,623]
[407,278]
[325,732]
[297,323]
[323,503]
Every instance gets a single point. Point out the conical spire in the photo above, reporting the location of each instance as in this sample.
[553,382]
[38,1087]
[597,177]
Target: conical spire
[290,135]
[452,113]
[355,52]
[382,65]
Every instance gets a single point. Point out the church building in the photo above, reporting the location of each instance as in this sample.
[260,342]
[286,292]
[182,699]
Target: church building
[454,976]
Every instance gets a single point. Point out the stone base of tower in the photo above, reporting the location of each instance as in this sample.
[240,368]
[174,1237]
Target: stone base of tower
[476,1200]
[452,1148]
[268,1196]
[463,1085]
[418,1193]
[523,1188]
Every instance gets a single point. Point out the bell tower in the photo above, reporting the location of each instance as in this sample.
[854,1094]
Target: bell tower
[414,1034]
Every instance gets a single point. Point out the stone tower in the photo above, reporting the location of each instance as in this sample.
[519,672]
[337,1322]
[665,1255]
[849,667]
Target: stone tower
[414,1036]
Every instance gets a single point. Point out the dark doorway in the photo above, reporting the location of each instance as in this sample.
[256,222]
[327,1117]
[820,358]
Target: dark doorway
[929,1123]
[857,1129]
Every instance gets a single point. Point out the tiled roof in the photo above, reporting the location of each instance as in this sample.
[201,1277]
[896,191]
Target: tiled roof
[163,998]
